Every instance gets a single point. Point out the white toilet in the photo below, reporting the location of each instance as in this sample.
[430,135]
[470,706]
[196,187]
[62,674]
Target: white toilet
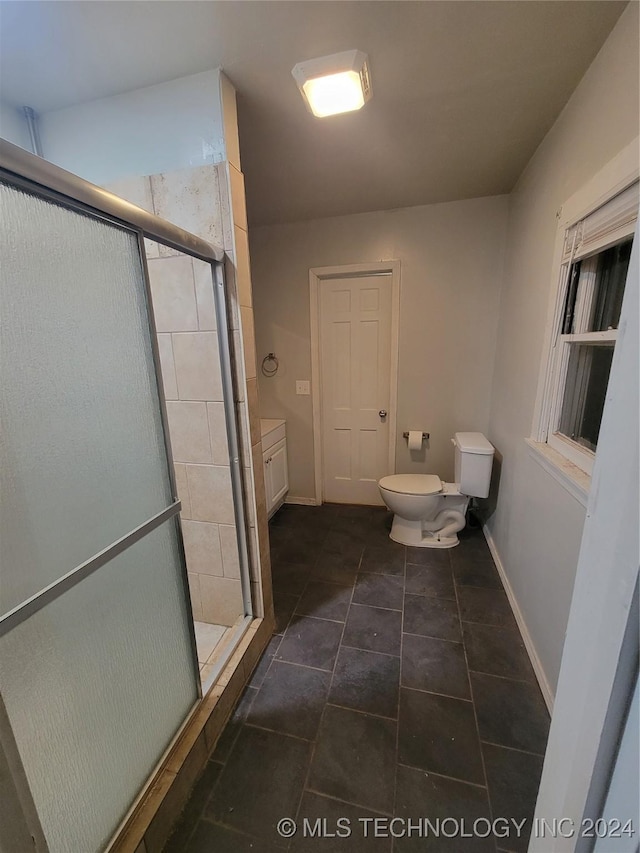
[428,512]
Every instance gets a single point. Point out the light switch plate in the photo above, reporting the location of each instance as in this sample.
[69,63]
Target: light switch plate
[303,386]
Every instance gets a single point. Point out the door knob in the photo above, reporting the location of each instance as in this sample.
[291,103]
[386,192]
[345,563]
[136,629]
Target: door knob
[383,413]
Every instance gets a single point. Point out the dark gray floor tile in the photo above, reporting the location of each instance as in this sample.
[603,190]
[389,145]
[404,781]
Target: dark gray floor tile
[333,569]
[472,544]
[264,663]
[379,591]
[232,729]
[291,700]
[435,581]
[325,601]
[489,606]
[261,782]
[438,666]
[439,734]
[346,545]
[387,558]
[210,837]
[278,535]
[434,797]
[471,571]
[513,779]
[193,809]
[303,551]
[357,512]
[366,681]
[510,713]
[289,578]
[355,521]
[304,517]
[283,606]
[497,651]
[373,629]
[435,557]
[431,617]
[354,759]
[318,813]
[311,642]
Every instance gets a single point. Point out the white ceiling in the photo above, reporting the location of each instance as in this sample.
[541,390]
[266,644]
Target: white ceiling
[463,92]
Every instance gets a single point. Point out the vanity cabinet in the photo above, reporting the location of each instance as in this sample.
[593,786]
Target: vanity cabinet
[274,457]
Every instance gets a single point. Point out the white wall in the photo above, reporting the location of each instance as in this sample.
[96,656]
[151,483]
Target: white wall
[537,525]
[451,259]
[163,128]
[13,125]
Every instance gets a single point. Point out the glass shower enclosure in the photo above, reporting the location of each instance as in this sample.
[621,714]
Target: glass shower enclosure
[98,663]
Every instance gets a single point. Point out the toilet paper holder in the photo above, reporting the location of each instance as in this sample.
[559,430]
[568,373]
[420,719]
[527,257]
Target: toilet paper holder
[425,436]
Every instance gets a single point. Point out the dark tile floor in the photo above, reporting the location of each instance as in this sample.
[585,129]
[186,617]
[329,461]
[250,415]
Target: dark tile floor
[397,685]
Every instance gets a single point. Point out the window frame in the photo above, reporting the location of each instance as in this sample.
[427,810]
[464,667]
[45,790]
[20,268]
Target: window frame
[570,462]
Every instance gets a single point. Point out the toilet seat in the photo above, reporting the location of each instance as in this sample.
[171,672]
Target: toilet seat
[412,484]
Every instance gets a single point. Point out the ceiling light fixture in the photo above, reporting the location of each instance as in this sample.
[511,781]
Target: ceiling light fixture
[339,83]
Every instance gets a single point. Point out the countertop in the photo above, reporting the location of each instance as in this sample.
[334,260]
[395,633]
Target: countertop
[267,425]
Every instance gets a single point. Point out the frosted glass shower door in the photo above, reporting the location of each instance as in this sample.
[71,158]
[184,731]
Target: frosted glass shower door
[97,657]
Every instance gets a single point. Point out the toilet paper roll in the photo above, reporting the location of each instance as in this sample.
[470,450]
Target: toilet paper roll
[415,439]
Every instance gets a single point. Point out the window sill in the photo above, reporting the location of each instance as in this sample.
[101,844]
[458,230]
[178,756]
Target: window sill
[570,477]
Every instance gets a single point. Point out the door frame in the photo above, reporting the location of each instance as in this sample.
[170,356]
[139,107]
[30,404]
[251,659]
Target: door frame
[316,276]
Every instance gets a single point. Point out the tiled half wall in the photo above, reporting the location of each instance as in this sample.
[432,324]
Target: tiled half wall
[198,200]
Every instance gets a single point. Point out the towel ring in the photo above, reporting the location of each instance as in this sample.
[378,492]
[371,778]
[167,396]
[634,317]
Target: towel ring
[270,364]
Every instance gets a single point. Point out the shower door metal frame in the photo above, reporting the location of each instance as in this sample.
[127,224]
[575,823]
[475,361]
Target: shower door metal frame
[40,178]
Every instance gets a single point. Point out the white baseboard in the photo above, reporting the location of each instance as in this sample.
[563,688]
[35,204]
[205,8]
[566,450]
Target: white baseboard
[292,499]
[545,687]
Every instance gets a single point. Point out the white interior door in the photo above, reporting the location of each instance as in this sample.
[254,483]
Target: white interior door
[355,361]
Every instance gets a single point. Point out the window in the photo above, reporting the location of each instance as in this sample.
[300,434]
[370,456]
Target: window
[593,270]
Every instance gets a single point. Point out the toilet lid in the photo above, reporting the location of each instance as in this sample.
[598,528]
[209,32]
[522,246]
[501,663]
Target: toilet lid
[412,484]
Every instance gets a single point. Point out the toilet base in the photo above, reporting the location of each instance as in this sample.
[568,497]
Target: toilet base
[408,532]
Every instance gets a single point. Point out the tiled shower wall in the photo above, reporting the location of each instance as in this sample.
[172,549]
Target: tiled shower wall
[182,294]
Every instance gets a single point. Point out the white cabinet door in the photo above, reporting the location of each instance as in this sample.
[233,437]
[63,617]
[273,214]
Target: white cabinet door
[276,475]
[278,472]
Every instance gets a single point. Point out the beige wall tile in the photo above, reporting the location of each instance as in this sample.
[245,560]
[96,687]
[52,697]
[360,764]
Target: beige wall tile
[197,366]
[250,504]
[183,488]
[238,202]
[233,302]
[229,546]
[243,266]
[240,371]
[202,547]
[221,599]
[194,592]
[244,437]
[167,367]
[190,198]
[210,493]
[189,431]
[225,206]
[258,480]
[218,433]
[202,274]
[265,553]
[173,294]
[230,121]
[253,405]
[248,337]
[137,190]
[257,599]
[255,572]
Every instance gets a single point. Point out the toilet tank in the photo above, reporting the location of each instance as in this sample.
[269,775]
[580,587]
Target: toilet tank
[474,458]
